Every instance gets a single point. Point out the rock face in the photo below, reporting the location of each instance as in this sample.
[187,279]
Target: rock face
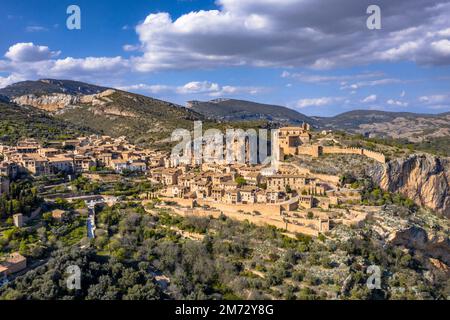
[50,103]
[422,178]
[417,239]
[57,101]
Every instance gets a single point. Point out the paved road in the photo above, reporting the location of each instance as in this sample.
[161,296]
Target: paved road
[91,222]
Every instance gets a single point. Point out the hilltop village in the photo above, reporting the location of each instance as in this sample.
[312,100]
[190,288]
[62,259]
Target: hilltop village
[282,194]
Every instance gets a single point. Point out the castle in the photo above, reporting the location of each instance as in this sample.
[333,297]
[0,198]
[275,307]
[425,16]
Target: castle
[297,141]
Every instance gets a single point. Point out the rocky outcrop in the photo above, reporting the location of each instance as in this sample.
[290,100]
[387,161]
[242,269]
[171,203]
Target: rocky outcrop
[422,178]
[415,238]
[53,102]
[57,101]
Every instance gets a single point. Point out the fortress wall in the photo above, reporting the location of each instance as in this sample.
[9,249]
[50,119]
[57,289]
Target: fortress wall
[326,177]
[180,201]
[265,209]
[377,156]
[262,221]
[335,150]
[257,220]
[309,150]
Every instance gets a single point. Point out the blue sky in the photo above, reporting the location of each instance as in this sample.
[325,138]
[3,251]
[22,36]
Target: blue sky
[317,57]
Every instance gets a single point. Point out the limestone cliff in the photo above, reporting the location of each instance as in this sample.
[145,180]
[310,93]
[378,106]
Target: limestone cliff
[436,247]
[57,101]
[422,178]
[50,103]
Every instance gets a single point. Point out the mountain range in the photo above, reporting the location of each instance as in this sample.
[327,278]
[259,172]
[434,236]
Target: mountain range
[240,110]
[57,109]
[148,120]
[102,110]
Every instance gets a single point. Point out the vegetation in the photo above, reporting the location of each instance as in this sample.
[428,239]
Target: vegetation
[138,255]
[21,198]
[19,122]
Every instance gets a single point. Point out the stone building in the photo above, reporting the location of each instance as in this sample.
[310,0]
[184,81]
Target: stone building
[14,263]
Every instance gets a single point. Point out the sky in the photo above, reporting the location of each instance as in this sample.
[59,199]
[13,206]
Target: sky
[315,56]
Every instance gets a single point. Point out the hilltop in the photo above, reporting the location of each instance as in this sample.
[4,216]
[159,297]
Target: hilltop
[104,110]
[17,122]
[240,110]
[147,120]
[413,127]
[49,86]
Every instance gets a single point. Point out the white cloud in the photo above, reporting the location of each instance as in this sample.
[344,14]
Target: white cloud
[206,88]
[442,47]
[321,78]
[275,33]
[30,61]
[28,52]
[153,89]
[316,102]
[130,47]
[372,83]
[401,52]
[88,65]
[435,99]
[35,29]
[199,87]
[13,78]
[369,99]
[397,103]
[294,33]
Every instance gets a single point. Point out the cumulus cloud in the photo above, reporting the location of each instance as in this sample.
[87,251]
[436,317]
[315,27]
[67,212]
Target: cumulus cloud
[30,61]
[29,52]
[206,88]
[295,33]
[277,33]
[89,65]
[442,47]
[13,78]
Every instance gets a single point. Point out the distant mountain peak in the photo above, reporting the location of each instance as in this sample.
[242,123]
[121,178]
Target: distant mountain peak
[225,109]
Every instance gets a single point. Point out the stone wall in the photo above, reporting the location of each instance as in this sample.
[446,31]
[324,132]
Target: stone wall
[377,156]
[257,220]
[264,209]
[316,151]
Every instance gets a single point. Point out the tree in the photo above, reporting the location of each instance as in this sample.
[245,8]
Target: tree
[240,181]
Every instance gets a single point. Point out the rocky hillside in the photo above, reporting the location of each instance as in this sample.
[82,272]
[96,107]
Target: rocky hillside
[17,122]
[397,125]
[422,178]
[108,111]
[50,86]
[239,110]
